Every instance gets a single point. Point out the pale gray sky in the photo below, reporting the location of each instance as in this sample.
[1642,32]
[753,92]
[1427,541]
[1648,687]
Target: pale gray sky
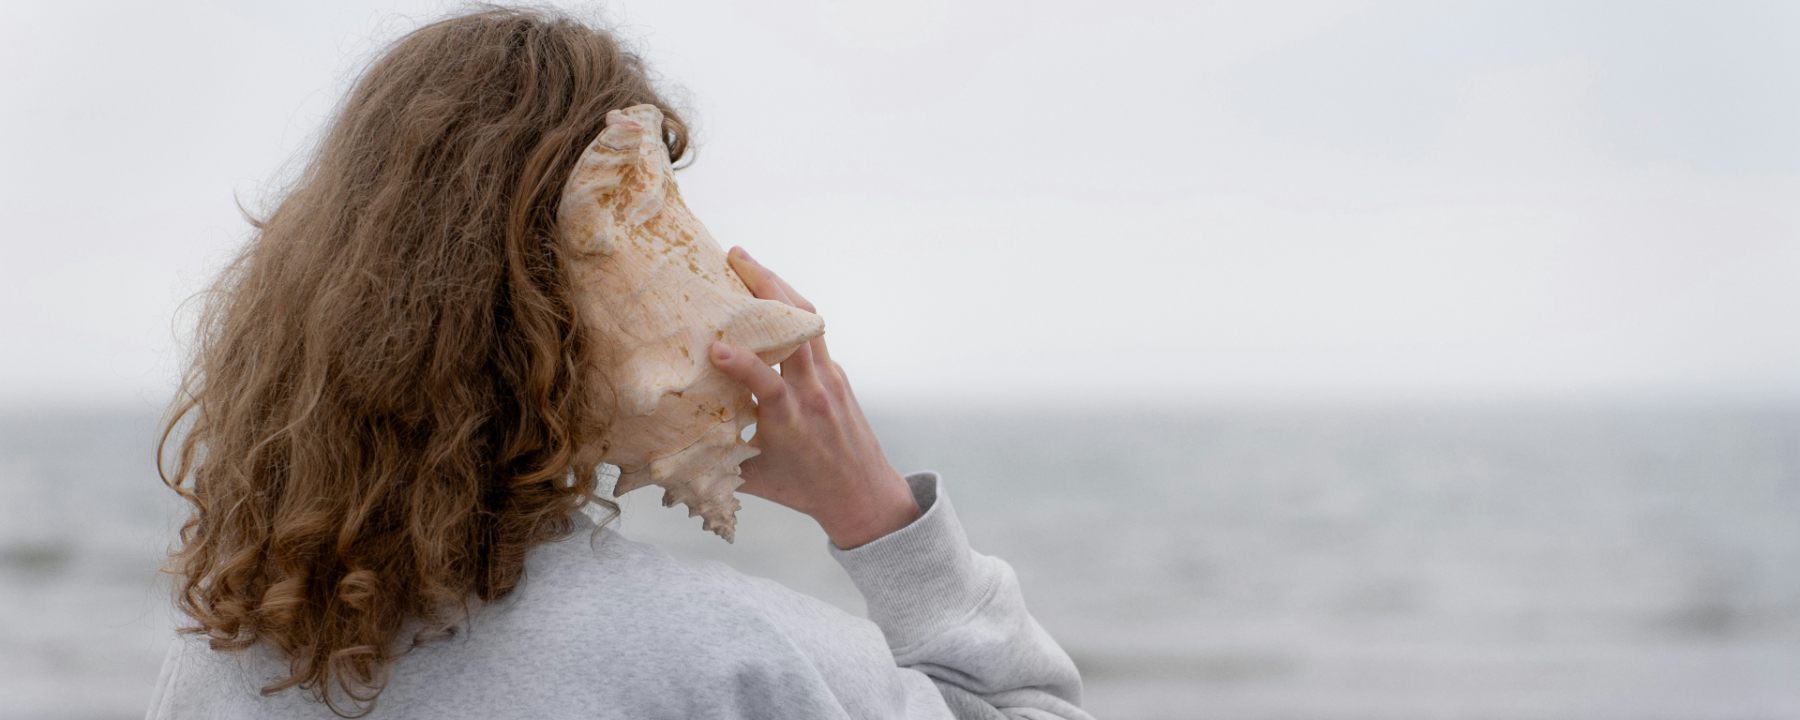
[1035,201]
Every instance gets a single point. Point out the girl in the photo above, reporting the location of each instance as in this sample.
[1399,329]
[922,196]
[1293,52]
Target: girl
[383,416]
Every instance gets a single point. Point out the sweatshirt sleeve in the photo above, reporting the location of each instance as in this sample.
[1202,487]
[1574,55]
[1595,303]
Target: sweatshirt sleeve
[958,617]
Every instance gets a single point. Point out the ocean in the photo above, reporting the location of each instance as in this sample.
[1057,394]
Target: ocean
[1242,562]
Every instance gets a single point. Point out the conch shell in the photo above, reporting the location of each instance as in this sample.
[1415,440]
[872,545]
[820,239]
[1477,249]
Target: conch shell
[656,291]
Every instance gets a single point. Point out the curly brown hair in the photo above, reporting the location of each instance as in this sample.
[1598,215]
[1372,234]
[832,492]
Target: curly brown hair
[383,410]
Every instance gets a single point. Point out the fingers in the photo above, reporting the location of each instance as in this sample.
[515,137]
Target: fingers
[763,282]
[802,368]
[820,356]
[792,294]
[812,357]
[743,366]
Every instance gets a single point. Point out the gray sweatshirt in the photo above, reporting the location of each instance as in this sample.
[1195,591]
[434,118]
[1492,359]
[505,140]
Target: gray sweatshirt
[604,627]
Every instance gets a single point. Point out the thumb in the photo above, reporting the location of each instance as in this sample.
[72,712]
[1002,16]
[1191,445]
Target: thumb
[745,367]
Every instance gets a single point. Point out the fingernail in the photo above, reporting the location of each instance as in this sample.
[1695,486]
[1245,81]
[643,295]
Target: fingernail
[742,253]
[721,351]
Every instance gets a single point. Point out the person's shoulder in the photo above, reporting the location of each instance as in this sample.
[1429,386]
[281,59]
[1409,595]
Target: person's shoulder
[599,586]
[592,567]
[600,626]
[652,625]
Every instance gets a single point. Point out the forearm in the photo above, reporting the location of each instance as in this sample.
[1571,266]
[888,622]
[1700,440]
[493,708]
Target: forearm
[958,616]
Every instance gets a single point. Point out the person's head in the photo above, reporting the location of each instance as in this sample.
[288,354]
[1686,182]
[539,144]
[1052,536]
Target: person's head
[385,409]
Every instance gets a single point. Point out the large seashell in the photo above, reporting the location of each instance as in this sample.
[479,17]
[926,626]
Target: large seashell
[657,291]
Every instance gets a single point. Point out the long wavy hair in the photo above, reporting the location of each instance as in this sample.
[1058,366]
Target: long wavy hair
[384,410]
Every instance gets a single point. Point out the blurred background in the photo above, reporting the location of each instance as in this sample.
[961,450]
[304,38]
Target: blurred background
[1307,359]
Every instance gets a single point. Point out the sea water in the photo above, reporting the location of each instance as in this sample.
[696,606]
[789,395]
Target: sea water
[1452,561]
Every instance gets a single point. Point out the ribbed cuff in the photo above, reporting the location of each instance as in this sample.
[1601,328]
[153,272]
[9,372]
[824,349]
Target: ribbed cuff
[922,578]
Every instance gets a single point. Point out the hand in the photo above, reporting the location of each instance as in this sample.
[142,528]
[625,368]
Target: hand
[819,455]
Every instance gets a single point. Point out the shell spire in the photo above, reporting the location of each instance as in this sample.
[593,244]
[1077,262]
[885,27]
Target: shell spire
[656,291]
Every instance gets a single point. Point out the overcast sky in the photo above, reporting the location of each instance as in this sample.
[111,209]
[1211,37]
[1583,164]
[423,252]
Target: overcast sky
[1134,201]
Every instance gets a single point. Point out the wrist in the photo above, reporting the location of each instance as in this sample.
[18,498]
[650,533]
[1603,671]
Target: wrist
[888,506]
